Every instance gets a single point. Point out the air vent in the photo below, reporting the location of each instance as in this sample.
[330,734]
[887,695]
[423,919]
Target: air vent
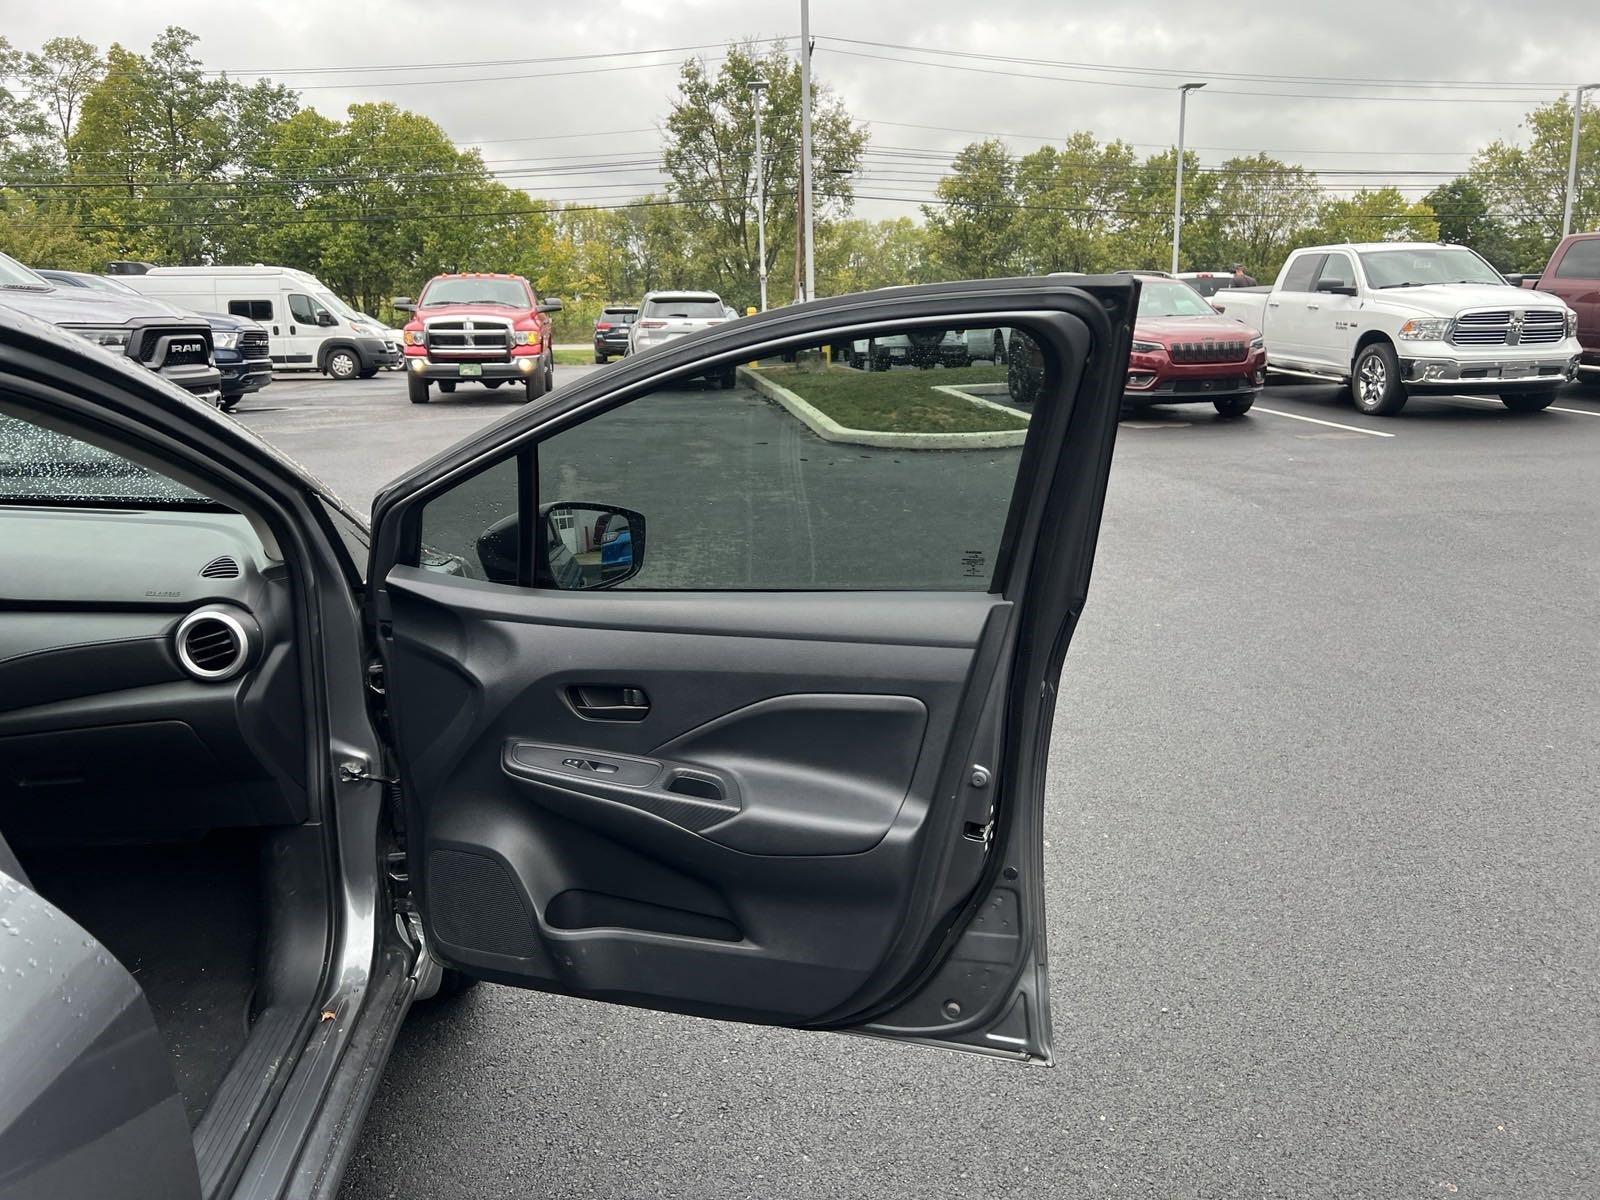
[221,567]
[212,644]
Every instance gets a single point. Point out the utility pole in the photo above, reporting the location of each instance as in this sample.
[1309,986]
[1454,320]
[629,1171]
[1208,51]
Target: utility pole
[758,88]
[809,233]
[1572,156]
[1177,195]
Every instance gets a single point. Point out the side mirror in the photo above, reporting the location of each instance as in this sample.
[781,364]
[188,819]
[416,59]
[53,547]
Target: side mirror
[1329,287]
[590,545]
[1515,280]
[327,319]
[553,304]
[402,304]
[1218,307]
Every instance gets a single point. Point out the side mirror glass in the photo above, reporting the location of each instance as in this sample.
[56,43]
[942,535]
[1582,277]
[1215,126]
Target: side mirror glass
[553,304]
[590,545]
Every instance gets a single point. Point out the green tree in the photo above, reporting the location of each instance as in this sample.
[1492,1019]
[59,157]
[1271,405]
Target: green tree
[1379,215]
[1074,200]
[710,156]
[1466,219]
[1526,186]
[858,255]
[1259,210]
[58,76]
[975,231]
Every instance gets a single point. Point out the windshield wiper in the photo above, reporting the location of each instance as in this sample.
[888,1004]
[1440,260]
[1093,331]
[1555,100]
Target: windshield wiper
[1407,283]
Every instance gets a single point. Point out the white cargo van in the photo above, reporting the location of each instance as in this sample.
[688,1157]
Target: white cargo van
[311,328]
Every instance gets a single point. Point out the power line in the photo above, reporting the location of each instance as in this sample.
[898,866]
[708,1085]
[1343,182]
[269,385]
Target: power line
[1155,87]
[353,68]
[1186,73]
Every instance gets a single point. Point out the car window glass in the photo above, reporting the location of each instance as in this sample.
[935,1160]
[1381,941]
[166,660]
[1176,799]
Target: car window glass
[255,310]
[670,306]
[471,289]
[302,308]
[42,466]
[1301,272]
[1337,270]
[1172,298]
[1581,261]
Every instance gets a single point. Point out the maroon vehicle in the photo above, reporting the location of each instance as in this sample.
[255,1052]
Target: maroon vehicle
[1184,352]
[1573,273]
[482,328]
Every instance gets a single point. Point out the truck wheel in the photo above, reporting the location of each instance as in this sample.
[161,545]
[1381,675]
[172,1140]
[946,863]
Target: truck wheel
[1024,370]
[1528,401]
[342,364]
[1375,381]
[417,389]
[550,372]
[229,403]
[1233,406]
[600,360]
[533,386]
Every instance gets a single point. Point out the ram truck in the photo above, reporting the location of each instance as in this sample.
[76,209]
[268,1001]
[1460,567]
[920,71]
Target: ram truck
[481,328]
[1394,318]
[1573,274]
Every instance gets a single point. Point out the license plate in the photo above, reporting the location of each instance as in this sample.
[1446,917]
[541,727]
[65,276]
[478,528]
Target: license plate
[1516,370]
[471,369]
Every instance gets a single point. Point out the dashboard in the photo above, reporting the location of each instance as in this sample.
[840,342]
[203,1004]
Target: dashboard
[149,680]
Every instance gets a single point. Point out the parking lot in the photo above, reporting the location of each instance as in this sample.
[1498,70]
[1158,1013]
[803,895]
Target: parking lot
[1322,872]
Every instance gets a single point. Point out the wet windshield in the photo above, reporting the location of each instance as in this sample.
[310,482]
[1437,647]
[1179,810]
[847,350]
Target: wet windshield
[14,275]
[1415,268]
[509,292]
[41,466]
[1169,298]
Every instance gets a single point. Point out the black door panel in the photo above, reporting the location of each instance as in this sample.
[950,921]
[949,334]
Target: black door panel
[787,900]
[716,790]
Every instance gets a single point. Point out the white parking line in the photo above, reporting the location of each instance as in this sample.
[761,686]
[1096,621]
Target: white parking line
[1582,412]
[1319,421]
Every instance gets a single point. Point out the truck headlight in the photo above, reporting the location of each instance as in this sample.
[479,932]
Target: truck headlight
[1427,329]
[526,337]
[112,337]
[414,337]
[225,339]
[1148,347]
[1572,323]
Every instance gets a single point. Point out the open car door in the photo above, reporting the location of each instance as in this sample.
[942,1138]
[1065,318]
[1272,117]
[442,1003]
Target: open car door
[705,700]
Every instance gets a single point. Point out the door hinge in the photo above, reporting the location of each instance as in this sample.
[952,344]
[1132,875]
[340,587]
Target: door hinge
[359,770]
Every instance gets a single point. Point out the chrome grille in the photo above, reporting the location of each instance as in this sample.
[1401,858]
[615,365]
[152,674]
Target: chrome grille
[474,336]
[1510,327]
[253,344]
[1208,352]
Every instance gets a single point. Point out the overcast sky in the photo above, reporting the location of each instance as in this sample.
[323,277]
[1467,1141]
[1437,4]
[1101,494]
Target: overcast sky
[522,120]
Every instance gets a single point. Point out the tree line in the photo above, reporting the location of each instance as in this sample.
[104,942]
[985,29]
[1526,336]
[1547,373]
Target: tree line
[147,155]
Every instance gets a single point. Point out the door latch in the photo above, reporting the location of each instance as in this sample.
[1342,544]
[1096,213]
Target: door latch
[359,770]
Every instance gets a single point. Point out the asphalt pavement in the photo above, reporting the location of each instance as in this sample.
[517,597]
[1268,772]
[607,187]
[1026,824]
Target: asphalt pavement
[1323,860]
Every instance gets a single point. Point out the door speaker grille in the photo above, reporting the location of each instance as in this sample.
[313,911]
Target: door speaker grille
[477,905]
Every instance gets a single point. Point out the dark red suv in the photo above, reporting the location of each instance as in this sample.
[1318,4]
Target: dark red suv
[1184,352]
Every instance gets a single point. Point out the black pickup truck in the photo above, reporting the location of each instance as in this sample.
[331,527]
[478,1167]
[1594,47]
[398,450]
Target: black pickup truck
[174,344]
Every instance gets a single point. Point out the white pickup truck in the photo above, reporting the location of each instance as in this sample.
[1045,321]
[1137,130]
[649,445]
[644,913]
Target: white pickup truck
[1392,318]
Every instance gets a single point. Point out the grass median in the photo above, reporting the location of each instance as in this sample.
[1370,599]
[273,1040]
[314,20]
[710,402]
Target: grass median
[571,356]
[899,401]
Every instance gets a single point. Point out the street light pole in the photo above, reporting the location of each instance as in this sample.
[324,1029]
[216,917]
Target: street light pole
[1572,156]
[758,89]
[805,150]
[1177,195]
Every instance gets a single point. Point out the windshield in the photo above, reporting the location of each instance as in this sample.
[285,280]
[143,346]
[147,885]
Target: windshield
[1414,268]
[102,283]
[684,306]
[39,465]
[14,275]
[342,309]
[1169,298]
[509,292]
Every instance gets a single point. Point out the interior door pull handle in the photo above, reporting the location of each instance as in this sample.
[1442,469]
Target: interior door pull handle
[608,702]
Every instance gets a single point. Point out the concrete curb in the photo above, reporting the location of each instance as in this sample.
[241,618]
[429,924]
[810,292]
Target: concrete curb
[826,428]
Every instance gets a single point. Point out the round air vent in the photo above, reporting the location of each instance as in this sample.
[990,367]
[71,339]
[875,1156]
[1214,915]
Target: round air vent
[214,643]
[224,566]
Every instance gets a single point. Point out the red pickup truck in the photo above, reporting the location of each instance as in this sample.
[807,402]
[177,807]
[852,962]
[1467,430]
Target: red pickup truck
[1573,273]
[483,328]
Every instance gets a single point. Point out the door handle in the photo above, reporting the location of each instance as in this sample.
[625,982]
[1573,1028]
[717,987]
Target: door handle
[608,702]
[1312,307]
[275,331]
[1272,304]
[291,329]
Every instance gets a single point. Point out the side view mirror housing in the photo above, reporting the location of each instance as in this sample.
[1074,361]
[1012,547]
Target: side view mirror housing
[402,304]
[327,320]
[553,304]
[1515,280]
[1328,287]
[581,546]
